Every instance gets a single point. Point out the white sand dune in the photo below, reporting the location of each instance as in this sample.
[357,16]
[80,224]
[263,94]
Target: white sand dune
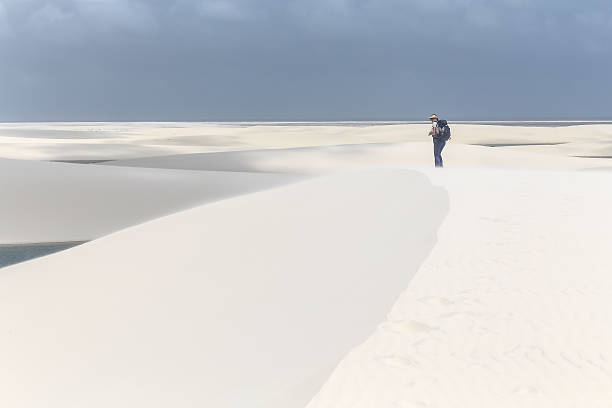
[321,159]
[55,202]
[109,141]
[251,301]
[248,302]
[511,308]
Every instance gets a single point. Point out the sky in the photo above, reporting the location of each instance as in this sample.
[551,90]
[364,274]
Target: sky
[218,60]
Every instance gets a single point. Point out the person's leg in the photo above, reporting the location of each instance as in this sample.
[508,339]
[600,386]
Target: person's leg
[438,145]
[435,148]
[442,144]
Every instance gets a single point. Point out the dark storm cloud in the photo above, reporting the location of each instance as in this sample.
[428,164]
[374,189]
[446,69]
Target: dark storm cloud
[303,59]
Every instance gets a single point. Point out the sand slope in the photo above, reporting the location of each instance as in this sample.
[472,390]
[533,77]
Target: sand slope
[53,202]
[247,302]
[323,159]
[511,308]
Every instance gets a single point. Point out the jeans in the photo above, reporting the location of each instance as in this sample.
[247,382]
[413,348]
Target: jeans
[438,146]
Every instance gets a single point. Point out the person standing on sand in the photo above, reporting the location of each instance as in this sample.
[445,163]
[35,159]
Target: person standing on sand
[440,133]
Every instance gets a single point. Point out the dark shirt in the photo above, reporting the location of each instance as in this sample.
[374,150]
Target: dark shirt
[438,130]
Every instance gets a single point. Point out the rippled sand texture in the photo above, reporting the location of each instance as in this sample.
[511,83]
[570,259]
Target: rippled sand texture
[511,308]
[320,265]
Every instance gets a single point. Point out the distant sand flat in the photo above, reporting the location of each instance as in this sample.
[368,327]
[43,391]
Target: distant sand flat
[116,141]
[321,159]
[518,144]
[54,133]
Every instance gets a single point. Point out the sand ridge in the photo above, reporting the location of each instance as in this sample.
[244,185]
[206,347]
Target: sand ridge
[249,301]
[510,309]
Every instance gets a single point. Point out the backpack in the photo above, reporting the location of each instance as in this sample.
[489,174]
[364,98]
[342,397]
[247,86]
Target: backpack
[444,130]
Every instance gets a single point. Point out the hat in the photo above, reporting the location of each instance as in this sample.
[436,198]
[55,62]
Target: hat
[434,116]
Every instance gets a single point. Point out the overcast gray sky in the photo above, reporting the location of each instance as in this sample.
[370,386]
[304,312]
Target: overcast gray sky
[304,59]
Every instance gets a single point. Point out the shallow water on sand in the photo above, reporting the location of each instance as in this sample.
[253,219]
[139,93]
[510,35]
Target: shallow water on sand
[13,254]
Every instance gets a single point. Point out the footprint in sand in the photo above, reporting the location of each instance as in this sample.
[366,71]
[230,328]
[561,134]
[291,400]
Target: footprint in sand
[406,327]
[397,361]
[436,301]
[464,315]
[526,391]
